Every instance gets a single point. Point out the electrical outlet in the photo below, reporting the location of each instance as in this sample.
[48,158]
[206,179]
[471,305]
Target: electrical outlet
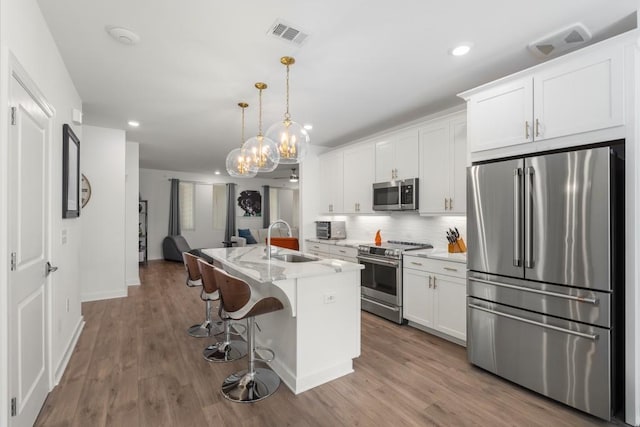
[64,237]
[329,298]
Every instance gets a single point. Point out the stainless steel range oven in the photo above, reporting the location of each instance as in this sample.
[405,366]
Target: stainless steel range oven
[381,278]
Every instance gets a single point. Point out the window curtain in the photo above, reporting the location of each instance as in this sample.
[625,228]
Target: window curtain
[266,207]
[230,226]
[174,208]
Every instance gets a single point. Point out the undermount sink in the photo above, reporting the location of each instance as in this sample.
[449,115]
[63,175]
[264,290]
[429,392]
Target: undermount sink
[294,258]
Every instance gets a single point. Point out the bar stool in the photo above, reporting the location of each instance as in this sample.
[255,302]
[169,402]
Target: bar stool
[240,302]
[228,349]
[206,328]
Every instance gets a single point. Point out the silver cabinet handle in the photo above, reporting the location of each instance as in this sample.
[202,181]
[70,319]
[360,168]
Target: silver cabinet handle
[593,301]
[528,219]
[517,201]
[533,322]
[450,269]
[537,127]
[446,206]
[526,130]
[434,282]
[342,252]
[430,284]
[416,263]
[450,204]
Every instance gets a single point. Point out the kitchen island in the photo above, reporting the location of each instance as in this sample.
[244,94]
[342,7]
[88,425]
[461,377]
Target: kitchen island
[317,335]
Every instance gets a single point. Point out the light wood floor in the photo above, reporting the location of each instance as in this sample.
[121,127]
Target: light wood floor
[134,365]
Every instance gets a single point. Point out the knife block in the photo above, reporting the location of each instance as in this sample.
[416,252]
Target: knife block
[457,247]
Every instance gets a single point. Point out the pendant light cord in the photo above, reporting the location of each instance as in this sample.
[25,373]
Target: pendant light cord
[287,116]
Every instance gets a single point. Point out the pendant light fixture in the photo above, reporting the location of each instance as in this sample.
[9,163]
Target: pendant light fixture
[291,138]
[262,151]
[238,161]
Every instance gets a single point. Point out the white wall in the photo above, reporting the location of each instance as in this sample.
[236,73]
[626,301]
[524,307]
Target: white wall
[155,187]
[24,33]
[132,192]
[102,159]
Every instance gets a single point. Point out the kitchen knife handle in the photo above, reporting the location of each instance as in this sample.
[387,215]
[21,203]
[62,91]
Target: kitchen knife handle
[517,203]
[528,218]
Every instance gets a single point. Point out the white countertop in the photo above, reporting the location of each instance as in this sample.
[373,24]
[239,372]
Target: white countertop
[439,254]
[251,261]
[341,242]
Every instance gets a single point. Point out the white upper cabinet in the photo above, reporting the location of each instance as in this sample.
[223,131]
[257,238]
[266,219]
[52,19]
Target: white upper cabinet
[332,193]
[583,95]
[443,154]
[358,177]
[572,95]
[397,156]
[501,116]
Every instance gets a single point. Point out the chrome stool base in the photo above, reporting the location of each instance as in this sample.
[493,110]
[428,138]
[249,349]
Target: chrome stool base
[206,329]
[225,351]
[246,388]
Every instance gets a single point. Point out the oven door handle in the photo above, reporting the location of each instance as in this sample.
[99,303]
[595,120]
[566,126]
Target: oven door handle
[379,261]
[380,304]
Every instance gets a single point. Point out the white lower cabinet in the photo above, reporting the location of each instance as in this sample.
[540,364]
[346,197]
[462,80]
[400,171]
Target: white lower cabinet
[333,251]
[319,249]
[434,295]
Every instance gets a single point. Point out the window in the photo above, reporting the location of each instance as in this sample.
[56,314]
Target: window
[219,206]
[187,203]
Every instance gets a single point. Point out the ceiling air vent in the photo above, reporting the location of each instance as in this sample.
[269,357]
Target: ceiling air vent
[568,38]
[288,33]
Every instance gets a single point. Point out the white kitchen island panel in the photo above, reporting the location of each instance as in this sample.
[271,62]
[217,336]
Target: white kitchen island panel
[317,335]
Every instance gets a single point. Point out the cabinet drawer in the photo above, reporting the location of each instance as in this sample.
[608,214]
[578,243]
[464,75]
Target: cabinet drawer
[343,252]
[318,247]
[436,266]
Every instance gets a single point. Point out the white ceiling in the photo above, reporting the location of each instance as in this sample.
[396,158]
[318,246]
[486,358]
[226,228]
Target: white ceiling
[366,66]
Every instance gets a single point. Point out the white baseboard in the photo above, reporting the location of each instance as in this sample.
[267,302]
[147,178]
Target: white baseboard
[133,282]
[97,296]
[66,356]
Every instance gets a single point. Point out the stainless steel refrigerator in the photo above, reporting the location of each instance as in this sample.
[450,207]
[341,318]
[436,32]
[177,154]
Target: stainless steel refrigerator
[545,280]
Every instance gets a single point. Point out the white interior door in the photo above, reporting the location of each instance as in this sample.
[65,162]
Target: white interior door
[28,245]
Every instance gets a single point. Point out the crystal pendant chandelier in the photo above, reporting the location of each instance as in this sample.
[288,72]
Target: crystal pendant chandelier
[262,151]
[238,161]
[290,137]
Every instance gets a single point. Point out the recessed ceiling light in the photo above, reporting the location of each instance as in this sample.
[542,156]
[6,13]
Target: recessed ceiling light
[133,123]
[308,126]
[122,35]
[460,50]
[217,172]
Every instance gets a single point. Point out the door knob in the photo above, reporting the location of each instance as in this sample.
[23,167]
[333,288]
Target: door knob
[49,269]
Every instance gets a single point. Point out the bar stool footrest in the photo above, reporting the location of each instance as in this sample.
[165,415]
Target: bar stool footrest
[225,351]
[260,359]
[202,330]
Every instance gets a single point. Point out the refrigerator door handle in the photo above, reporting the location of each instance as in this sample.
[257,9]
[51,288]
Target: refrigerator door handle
[528,218]
[533,322]
[517,232]
[593,301]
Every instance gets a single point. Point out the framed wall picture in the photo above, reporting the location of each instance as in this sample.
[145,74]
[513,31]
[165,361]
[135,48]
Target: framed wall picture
[70,173]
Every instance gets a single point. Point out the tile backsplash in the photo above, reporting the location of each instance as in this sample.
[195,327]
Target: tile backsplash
[402,226]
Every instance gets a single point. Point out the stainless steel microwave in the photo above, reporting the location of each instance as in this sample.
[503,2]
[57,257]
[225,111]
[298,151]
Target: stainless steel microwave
[399,195]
